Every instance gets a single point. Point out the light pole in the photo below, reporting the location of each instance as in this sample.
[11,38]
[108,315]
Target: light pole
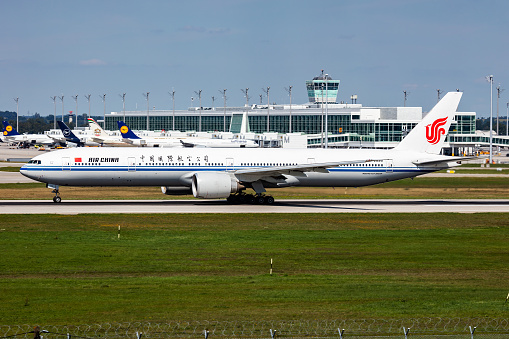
[326,110]
[268,106]
[123,103]
[62,99]
[54,98]
[322,117]
[199,97]
[17,112]
[148,108]
[88,99]
[289,90]
[405,93]
[247,98]
[224,119]
[507,120]
[172,93]
[103,97]
[75,97]
[439,92]
[490,79]
[499,90]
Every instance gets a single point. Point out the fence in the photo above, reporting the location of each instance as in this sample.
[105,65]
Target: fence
[418,328]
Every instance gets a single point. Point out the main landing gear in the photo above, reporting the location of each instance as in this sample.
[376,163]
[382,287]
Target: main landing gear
[258,199]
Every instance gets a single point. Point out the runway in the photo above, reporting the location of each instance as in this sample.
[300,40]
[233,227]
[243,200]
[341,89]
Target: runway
[280,206]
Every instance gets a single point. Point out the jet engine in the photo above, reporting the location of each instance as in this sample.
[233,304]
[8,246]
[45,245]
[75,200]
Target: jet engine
[176,190]
[213,185]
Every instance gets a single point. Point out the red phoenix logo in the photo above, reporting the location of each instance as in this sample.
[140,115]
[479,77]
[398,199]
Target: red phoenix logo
[434,131]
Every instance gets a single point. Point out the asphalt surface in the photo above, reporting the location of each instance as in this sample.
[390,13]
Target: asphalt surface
[280,206]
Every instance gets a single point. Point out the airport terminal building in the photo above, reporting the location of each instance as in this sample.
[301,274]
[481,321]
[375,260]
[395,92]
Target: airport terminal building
[348,124]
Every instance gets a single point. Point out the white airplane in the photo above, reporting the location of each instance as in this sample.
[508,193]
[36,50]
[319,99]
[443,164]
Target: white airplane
[11,135]
[212,173]
[130,137]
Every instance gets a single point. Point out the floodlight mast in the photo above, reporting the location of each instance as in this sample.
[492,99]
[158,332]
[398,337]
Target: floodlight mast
[268,107]
[88,99]
[224,98]
[326,110]
[172,93]
[54,98]
[199,97]
[103,97]
[439,92]
[148,108]
[62,99]
[123,103]
[405,93]
[490,80]
[17,112]
[289,90]
[245,91]
[499,90]
[507,120]
[75,97]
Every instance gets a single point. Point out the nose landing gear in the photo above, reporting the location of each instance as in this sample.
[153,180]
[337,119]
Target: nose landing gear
[56,198]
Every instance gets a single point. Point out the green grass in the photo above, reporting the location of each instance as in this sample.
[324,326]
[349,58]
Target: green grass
[73,269]
[9,169]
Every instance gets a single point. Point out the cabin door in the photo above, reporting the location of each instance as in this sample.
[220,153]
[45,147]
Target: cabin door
[66,164]
[131,164]
[388,166]
[230,164]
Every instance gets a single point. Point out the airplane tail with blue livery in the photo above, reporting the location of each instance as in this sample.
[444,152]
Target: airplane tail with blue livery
[68,134]
[126,132]
[9,131]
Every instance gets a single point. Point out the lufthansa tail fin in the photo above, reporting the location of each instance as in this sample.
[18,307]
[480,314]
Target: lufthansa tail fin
[9,130]
[429,135]
[126,131]
[68,134]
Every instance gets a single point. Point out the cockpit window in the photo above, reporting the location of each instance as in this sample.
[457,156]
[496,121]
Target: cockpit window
[34,162]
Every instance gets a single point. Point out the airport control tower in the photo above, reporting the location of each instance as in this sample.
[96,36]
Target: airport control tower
[322,89]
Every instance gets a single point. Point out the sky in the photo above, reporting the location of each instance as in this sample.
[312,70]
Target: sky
[377,49]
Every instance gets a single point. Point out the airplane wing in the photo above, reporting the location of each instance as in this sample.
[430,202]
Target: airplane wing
[297,170]
[187,144]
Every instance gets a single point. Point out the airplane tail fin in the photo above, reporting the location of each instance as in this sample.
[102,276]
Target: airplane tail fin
[68,134]
[98,130]
[8,129]
[126,131]
[429,135]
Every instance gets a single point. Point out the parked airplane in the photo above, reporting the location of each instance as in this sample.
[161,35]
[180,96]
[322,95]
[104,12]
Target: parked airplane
[131,137]
[211,173]
[101,137]
[69,136]
[11,135]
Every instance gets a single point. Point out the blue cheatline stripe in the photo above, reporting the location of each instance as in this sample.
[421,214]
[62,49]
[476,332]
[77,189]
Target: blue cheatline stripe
[138,168]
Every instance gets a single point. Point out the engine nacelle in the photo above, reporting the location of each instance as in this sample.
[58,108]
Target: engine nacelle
[213,185]
[176,190]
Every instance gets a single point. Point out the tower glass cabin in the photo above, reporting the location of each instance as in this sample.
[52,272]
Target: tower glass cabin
[322,89]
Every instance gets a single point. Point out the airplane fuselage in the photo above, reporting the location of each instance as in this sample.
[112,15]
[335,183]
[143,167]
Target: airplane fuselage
[175,166]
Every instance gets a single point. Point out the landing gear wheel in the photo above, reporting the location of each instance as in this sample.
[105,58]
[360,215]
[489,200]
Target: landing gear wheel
[259,199]
[56,198]
[269,200]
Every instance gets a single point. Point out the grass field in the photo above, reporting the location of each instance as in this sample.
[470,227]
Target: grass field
[74,269]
